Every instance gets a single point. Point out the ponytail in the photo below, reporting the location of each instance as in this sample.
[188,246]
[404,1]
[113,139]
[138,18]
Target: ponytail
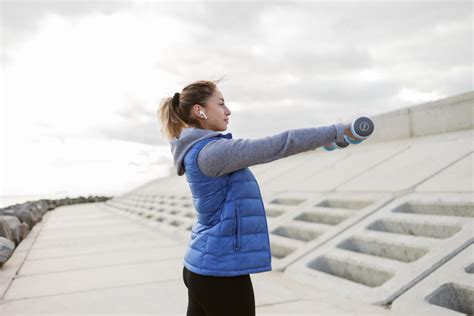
[171,123]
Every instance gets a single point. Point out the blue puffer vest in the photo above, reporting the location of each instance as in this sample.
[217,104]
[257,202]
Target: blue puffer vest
[230,236]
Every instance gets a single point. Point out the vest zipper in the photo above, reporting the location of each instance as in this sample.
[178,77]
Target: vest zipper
[237,228]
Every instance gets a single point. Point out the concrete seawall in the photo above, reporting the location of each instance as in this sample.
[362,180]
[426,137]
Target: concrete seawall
[385,227]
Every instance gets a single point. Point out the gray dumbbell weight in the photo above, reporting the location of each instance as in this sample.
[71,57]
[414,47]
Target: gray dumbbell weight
[361,129]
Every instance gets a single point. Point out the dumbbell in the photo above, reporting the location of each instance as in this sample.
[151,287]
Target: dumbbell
[361,129]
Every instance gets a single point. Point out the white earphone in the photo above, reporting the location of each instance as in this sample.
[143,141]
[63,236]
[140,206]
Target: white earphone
[203,115]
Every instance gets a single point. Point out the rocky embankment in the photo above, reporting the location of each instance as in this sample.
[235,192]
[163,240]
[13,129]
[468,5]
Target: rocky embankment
[16,221]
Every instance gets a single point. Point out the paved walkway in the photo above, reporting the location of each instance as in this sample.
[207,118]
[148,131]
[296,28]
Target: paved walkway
[86,259]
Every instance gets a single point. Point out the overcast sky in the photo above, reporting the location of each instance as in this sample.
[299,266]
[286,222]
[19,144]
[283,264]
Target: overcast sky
[82,80]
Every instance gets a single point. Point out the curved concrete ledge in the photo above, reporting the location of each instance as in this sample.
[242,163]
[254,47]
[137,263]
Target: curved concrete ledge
[447,115]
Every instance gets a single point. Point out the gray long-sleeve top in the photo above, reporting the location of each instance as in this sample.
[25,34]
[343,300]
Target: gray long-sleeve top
[226,155]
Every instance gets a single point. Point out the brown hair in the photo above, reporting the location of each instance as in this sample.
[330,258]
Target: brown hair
[174,119]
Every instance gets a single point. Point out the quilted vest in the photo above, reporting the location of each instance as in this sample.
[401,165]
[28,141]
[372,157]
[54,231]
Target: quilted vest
[230,235]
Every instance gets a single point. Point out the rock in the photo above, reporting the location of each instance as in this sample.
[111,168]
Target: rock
[39,207]
[11,211]
[24,230]
[82,199]
[26,217]
[36,209]
[14,224]
[26,213]
[8,211]
[5,230]
[6,250]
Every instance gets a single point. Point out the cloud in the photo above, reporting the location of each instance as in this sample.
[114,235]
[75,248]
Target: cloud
[99,70]
[21,19]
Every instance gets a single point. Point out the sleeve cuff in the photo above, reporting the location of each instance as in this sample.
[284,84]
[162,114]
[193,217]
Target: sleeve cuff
[339,132]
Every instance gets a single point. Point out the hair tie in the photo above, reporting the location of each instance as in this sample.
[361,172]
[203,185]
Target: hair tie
[176,99]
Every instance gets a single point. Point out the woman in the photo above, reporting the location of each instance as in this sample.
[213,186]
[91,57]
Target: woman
[229,240]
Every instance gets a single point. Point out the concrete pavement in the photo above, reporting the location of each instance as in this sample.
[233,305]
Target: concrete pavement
[88,260]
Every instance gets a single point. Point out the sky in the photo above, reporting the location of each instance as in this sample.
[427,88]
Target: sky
[81,81]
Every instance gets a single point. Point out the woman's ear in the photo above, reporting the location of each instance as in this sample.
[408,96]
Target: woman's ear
[196,109]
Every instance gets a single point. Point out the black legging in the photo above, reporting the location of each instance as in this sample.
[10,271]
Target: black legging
[219,296]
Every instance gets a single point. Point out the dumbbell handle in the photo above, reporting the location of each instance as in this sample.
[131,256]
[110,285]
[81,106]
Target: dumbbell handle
[348,132]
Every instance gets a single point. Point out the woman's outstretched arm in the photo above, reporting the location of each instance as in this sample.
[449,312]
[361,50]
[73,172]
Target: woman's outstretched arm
[224,155]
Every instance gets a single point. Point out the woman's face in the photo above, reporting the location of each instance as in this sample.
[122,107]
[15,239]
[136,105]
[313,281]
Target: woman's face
[216,111]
